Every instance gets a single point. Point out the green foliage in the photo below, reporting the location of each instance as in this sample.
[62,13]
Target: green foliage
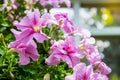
[114,77]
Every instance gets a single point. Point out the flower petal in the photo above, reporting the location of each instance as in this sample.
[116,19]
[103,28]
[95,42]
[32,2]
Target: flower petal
[34,16]
[24,59]
[40,37]
[104,68]
[52,60]
[32,51]
[16,33]
[24,24]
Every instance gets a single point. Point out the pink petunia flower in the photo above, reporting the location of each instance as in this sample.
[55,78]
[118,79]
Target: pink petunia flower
[82,32]
[26,48]
[98,76]
[32,24]
[90,51]
[81,72]
[64,50]
[64,22]
[54,3]
[102,68]
[26,51]
[12,5]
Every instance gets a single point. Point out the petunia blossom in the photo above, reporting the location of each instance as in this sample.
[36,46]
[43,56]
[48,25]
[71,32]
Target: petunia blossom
[64,50]
[81,72]
[26,51]
[102,68]
[98,76]
[82,32]
[64,22]
[54,3]
[32,24]
[89,50]
[12,5]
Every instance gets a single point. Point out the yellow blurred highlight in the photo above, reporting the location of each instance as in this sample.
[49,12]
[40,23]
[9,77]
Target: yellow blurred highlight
[107,17]
[81,47]
[114,77]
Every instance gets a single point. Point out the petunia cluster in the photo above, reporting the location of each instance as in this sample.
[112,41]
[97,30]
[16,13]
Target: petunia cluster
[82,57]
[29,4]
[9,4]
[55,3]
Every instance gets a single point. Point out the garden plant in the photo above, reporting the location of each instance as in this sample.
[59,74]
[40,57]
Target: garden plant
[38,45]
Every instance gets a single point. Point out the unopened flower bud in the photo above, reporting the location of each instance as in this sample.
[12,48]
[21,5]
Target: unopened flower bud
[11,50]
[12,76]
[1,37]
[47,76]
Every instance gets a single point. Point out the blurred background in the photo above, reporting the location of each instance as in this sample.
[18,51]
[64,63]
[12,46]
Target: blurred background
[102,18]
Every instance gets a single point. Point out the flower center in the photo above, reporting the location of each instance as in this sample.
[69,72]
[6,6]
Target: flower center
[81,47]
[61,22]
[36,28]
[69,49]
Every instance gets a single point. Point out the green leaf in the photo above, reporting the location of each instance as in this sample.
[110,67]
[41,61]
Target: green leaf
[114,77]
